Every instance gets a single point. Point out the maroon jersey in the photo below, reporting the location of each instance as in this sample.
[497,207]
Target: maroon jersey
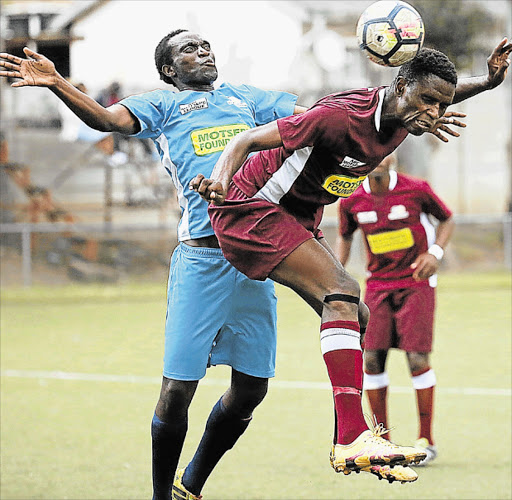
[327,153]
[396,227]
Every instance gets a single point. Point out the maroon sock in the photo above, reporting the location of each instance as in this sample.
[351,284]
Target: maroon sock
[344,360]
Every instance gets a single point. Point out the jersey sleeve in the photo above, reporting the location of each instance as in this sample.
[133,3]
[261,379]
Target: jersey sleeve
[323,126]
[150,110]
[432,204]
[347,224]
[269,105]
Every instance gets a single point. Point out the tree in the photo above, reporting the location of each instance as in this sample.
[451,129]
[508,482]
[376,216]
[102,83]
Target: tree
[456,27]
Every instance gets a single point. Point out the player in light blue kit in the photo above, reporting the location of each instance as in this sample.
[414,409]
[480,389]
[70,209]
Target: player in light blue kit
[215,315]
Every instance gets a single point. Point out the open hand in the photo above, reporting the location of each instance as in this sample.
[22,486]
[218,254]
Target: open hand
[37,70]
[443,122]
[498,63]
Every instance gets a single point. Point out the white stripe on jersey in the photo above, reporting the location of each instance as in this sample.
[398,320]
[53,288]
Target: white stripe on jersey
[430,231]
[183,226]
[281,181]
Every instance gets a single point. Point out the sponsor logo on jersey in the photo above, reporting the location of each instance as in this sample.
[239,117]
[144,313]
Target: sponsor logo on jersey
[351,163]
[214,139]
[194,106]
[341,185]
[390,241]
[366,217]
[398,212]
[234,101]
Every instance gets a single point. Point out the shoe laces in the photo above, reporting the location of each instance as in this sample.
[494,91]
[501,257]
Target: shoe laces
[379,430]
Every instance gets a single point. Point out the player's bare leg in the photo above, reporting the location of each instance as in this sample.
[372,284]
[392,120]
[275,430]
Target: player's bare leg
[316,275]
[376,383]
[424,382]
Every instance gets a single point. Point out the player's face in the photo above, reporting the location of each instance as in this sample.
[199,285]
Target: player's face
[423,102]
[193,61]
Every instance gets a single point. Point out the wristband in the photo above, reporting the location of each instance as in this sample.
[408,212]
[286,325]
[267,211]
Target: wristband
[436,251]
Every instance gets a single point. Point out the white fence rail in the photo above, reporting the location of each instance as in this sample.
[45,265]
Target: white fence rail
[26,231]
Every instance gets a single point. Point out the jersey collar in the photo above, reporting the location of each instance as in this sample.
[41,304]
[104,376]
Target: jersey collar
[378,111]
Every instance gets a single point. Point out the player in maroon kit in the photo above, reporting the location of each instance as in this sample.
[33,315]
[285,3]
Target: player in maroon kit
[267,218]
[404,250]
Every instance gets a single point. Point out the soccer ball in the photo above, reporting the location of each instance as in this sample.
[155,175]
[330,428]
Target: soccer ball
[390,32]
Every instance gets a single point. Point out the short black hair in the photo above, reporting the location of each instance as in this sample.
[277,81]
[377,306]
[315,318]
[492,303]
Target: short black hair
[163,55]
[429,62]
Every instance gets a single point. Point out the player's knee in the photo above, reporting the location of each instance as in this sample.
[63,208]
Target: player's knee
[346,290]
[175,398]
[242,399]
[372,363]
[349,286]
[252,400]
[363,315]
[418,361]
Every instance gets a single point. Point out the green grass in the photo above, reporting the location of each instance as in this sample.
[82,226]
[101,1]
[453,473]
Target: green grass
[86,439]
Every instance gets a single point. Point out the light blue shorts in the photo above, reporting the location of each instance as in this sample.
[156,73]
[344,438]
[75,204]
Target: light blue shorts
[217,316]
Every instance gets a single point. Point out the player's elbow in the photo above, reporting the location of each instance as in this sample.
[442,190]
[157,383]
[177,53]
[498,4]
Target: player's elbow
[262,137]
[117,118]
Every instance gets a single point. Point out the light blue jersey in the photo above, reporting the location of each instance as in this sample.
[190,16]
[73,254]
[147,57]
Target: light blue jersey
[215,314]
[190,130]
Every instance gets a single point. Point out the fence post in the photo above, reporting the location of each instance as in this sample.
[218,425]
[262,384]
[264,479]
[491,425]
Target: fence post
[26,253]
[507,239]
[107,217]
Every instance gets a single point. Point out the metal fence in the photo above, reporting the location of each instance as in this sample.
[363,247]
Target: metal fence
[55,253]
[59,252]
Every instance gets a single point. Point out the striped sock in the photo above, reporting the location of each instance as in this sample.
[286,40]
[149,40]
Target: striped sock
[343,358]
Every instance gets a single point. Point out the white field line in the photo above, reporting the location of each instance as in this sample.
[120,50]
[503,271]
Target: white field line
[278,384]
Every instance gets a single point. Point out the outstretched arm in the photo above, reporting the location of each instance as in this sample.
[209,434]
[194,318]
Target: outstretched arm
[232,158]
[39,71]
[299,109]
[497,65]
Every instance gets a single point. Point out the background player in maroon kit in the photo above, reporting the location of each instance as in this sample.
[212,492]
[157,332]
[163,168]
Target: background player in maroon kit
[404,251]
[267,218]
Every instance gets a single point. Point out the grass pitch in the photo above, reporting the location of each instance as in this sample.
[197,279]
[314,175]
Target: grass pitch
[81,369]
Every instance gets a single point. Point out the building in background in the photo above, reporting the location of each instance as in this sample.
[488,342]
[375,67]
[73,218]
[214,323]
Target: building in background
[307,47]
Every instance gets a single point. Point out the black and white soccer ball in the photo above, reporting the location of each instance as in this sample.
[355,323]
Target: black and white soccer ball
[390,32]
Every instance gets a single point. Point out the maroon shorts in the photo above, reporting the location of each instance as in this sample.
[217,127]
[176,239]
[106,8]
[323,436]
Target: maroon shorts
[401,318]
[255,235]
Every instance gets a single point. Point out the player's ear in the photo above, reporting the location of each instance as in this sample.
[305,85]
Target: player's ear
[400,85]
[168,70]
